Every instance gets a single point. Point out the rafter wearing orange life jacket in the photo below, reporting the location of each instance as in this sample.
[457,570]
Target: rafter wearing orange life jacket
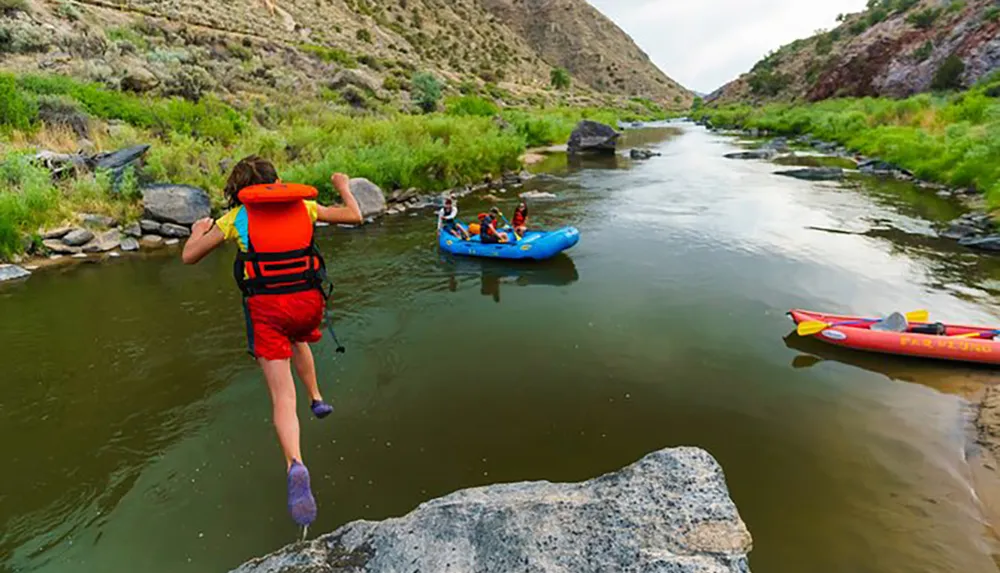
[280,255]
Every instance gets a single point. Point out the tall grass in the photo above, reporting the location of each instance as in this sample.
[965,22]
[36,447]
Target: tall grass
[953,139]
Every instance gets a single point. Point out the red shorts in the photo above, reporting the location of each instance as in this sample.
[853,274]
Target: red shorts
[275,321]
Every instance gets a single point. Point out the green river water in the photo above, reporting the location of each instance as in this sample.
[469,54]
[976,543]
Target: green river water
[135,431]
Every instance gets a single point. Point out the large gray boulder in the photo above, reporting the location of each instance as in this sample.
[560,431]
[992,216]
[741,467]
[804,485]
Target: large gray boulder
[593,136]
[180,204]
[669,512]
[370,197]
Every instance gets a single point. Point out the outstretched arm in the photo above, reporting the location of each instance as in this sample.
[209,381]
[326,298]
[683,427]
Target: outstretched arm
[350,213]
[205,237]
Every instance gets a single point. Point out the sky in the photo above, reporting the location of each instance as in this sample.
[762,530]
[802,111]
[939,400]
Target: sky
[705,43]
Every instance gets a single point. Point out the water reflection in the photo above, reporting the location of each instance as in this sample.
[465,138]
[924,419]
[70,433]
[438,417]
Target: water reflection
[558,271]
[947,377]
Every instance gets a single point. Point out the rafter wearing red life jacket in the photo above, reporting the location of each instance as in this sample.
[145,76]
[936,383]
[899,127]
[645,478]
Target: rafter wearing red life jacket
[280,256]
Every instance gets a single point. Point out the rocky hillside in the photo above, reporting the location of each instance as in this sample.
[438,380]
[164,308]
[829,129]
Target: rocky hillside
[575,35]
[895,48]
[246,48]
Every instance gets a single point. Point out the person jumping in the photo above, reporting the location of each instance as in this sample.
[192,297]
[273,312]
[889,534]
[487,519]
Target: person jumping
[282,277]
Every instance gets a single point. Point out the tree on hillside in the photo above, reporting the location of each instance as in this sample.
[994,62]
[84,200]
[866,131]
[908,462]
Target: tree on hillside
[559,78]
[426,91]
[949,75]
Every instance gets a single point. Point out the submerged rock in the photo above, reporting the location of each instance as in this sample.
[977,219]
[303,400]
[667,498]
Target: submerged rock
[642,154]
[763,153]
[960,230]
[370,197]
[151,241]
[180,204]
[535,195]
[592,136]
[814,173]
[991,243]
[670,511]
[884,169]
[777,144]
[12,273]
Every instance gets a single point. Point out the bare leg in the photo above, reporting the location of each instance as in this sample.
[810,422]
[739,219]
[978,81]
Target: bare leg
[305,367]
[278,374]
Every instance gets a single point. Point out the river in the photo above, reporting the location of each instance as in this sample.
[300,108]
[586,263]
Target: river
[135,430]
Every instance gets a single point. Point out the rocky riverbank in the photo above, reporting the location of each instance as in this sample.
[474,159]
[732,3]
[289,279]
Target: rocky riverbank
[976,229]
[670,511]
[169,210]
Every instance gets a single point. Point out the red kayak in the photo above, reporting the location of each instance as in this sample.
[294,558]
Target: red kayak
[944,346]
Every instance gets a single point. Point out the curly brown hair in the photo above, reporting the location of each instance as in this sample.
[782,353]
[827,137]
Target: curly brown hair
[252,170]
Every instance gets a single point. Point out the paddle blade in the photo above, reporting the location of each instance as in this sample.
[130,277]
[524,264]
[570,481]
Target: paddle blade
[970,335]
[810,327]
[918,316]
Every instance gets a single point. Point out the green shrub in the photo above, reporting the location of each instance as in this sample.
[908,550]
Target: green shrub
[858,27]
[957,6]
[27,200]
[208,118]
[925,18]
[426,91]
[363,35]
[392,83]
[949,74]
[471,105]
[130,35]
[17,109]
[331,55]
[992,14]
[824,43]
[768,83]
[559,78]
[923,52]
[876,15]
[370,61]
[11,6]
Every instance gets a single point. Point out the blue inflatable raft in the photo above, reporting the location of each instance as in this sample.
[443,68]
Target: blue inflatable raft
[537,245]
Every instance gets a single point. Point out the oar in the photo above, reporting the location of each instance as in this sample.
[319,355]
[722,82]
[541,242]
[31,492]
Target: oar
[811,327]
[518,237]
[975,334]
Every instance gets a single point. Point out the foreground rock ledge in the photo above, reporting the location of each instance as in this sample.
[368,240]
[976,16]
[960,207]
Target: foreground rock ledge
[669,512]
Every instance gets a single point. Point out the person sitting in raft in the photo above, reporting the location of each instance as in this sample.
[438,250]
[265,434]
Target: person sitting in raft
[488,228]
[448,220]
[520,219]
[281,275]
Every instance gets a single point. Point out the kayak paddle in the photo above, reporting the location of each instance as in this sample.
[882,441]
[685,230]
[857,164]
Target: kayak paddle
[518,237]
[975,334]
[811,327]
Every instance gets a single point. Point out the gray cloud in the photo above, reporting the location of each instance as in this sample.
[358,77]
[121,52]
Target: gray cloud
[705,43]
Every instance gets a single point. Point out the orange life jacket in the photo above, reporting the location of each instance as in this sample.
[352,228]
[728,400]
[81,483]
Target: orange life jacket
[281,257]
